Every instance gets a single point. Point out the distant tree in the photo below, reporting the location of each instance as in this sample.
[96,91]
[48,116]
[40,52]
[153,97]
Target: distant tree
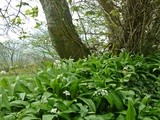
[41,44]
[12,54]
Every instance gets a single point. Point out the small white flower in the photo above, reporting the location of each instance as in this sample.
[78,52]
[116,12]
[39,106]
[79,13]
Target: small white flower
[85,59]
[67,93]
[56,62]
[54,110]
[64,79]
[104,92]
[95,93]
[59,76]
[100,93]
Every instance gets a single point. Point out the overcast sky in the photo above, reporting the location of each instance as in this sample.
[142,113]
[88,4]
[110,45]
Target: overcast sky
[29,24]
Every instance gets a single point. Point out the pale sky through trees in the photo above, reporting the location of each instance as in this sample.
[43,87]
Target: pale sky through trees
[29,24]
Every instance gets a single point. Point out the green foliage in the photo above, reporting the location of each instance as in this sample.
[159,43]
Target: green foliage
[17,20]
[32,12]
[108,87]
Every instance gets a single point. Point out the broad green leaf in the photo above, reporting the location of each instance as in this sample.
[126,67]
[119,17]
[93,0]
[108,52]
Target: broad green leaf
[61,106]
[78,118]
[152,76]
[110,99]
[131,112]
[144,76]
[56,86]
[75,107]
[48,117]
[143,103]
[69,110]
[45,105]
[4,83]
[22,95]
[107,116]
[146,99]
[39,85]
[90,104]
[46,95]
[21,87]
[121,117]
[1,117]
[44,78]
[74,88]
[83,109]
[36,105]
[117,101]
[29,118]
[147,118]
[4,102]
[141,107]
[17,103]
[30,111]
[114,99]
[25,88]
[11,116]
[94,117]
[65,116]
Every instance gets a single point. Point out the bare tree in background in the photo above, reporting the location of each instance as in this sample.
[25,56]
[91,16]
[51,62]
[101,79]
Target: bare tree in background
[12,54]
[63,35]
[133,26]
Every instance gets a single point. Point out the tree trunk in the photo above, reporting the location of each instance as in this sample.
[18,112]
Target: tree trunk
[62,31]
[133,25]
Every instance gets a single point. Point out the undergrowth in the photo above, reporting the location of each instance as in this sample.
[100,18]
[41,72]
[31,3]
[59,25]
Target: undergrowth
[107,87]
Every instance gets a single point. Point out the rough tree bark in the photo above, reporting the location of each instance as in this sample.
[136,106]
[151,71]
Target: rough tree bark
[135,28]
[62,31]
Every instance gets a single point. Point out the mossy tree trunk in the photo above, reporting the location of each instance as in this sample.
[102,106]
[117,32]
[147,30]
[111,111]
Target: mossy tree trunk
[62,31]
[132,25]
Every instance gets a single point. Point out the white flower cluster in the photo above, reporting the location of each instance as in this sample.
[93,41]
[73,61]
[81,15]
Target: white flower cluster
[57,63]
[100,93]
[54,110]
[67,93]
[59,76]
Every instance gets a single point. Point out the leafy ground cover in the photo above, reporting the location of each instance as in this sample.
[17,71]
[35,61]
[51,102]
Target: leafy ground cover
[107,87]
